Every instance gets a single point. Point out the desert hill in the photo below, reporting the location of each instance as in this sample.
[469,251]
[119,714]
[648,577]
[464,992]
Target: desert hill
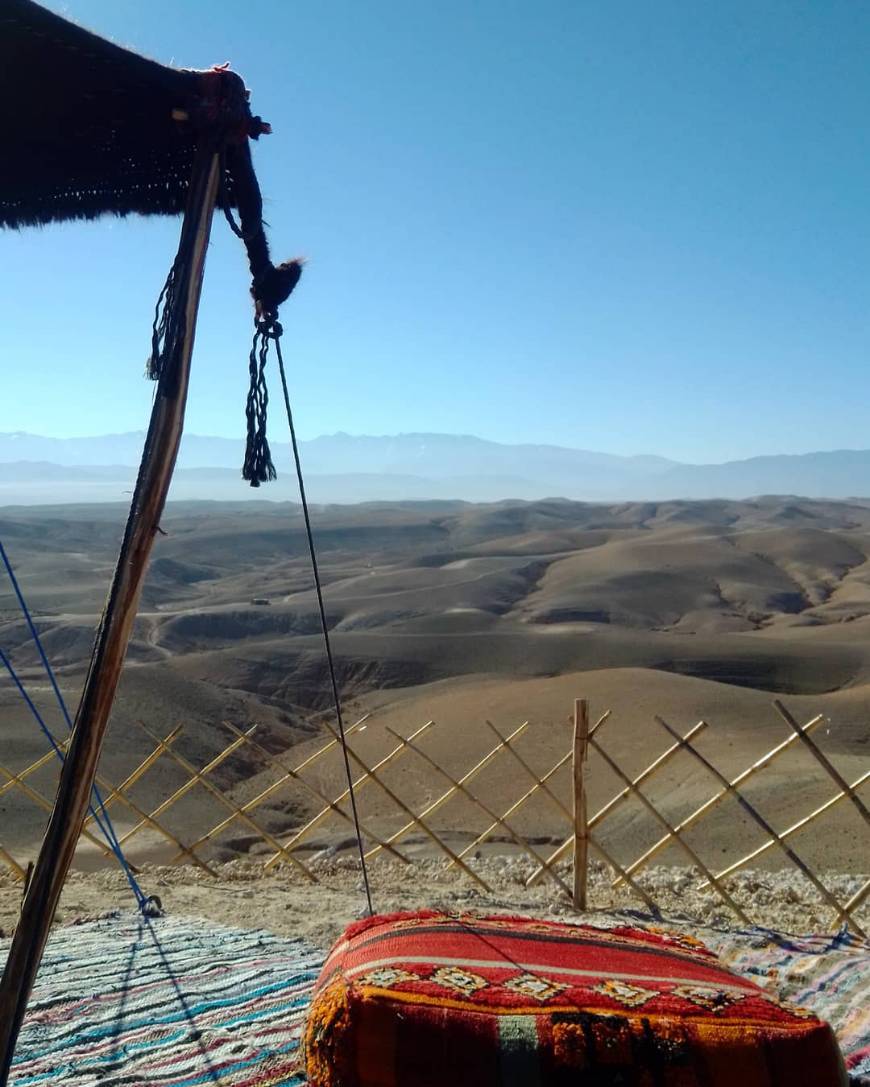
[459,612]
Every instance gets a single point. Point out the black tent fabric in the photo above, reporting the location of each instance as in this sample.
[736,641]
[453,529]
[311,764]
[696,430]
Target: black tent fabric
[90,128]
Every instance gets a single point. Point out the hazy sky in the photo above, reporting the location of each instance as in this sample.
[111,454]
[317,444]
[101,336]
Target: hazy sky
[633,227]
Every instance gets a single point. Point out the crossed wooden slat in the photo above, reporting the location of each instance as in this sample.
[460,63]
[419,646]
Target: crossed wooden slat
[296,776]
[459,785]
[112,793]
[760,820]
[370,774]
[287,775]
[717,797]
[657,763]
[236,812]
[547,866]
[415,819]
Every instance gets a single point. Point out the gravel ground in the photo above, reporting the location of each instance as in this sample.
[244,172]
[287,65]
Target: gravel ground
[284,902]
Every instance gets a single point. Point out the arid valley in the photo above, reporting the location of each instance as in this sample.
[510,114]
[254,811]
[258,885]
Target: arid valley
[460,613]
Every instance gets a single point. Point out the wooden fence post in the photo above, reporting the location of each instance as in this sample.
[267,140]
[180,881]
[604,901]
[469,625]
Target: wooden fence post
[581,838]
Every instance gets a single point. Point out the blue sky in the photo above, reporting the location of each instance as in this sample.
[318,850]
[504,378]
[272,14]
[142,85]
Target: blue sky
[632,227]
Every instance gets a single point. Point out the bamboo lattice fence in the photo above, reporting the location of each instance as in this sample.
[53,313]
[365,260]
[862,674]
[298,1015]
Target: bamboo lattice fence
[534,791]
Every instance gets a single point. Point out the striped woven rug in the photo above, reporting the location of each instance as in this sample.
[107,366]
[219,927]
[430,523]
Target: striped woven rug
[181,1002]
[176,1001]
[830,975]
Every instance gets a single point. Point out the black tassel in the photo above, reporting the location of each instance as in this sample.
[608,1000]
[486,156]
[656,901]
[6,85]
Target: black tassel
[163,313]
[269,291]
[258,467]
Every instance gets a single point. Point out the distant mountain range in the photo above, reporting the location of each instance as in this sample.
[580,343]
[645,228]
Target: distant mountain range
[347,468]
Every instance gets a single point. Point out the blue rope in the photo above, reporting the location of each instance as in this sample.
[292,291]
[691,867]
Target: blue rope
[34,633]
[104,823]
[108,831]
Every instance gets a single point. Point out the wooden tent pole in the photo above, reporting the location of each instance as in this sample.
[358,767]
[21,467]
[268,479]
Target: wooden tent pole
[149,498]
[581,833]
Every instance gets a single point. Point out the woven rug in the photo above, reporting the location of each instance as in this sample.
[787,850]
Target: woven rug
[830,975]
[107,1008]
[176,1001]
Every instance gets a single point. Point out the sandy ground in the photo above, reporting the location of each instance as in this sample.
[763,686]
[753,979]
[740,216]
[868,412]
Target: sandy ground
[287,904]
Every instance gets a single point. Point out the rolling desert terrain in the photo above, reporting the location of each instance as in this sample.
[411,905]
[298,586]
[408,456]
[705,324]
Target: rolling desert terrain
[462,613]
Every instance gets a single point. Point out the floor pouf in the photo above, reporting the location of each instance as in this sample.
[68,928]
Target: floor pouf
[435,1000]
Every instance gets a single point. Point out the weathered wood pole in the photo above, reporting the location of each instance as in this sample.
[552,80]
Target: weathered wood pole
[581,836]
[152,486]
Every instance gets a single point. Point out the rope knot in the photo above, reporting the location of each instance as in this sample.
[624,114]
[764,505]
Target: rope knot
[257,127]
[274,284]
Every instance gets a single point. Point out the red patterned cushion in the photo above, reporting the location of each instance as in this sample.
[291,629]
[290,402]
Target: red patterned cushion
[431,1000]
